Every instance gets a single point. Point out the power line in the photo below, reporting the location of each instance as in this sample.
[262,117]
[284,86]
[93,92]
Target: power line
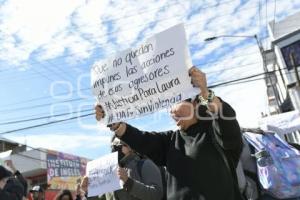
[46,97]
[38,149]
[62,124]
[79,99]
[88,88]
[241,82]
[235,80]
[40,105]
[43,117]
[72,100]
[246,81]
[251,80]
[235,67]
[244,78]
[68,113]
[46,117]
[58,121]
[45,124]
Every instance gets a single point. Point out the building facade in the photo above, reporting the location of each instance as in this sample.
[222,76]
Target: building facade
[283,60]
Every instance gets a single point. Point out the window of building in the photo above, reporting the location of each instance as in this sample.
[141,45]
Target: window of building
[286,51]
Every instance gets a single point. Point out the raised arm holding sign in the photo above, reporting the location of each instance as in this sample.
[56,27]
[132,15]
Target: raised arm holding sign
[199,165]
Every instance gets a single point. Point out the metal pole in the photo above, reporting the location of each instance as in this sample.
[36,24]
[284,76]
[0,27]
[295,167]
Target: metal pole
[263,57]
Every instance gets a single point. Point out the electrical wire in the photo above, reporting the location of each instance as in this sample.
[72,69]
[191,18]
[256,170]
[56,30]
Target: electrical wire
[58,121]
[40,105]
[45,124]
[43,117]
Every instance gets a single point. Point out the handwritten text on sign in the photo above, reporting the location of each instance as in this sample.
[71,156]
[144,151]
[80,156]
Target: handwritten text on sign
[102,175]
[145,79]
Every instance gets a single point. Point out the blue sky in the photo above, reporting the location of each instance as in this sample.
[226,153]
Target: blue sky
[48,47]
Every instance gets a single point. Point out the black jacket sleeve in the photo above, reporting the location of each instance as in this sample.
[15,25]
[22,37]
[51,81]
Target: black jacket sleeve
[230,132]
[152,144]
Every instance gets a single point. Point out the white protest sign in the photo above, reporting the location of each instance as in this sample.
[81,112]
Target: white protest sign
[144,79]
[5,156]
[102,175]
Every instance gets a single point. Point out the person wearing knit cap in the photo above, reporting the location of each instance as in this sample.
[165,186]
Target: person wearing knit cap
[141,177]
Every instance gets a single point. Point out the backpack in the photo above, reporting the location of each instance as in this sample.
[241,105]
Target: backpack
[162,173]
[247,172]
[278,164]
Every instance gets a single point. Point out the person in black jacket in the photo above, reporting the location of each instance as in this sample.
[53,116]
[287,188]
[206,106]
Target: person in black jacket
[10,188]
[196,169]
[141,176]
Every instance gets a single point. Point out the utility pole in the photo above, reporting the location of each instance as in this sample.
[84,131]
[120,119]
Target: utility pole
[268,77]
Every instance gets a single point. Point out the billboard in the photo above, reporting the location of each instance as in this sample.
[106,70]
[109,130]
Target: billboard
[64,170]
